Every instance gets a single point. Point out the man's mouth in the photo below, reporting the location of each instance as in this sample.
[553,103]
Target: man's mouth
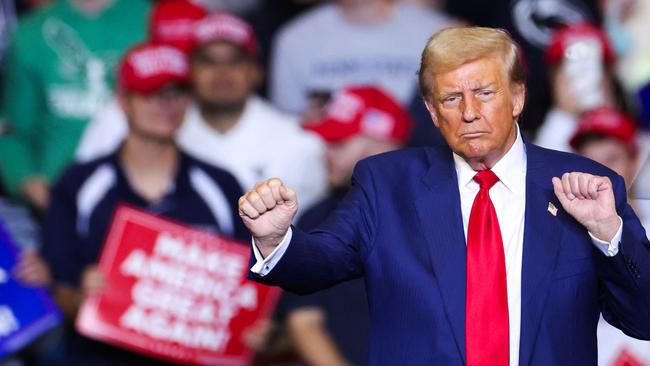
[472,135]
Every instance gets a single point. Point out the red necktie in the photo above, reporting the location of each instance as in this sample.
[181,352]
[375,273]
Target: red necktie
[486,321]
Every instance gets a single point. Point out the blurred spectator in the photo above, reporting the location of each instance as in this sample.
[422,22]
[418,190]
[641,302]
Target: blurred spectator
[350,42]
[266,19]
[532,24]
[626,22]
[609,137]
[330,327]
[171,22]
[229,126]
[58,74]
[147,171]
[581,76]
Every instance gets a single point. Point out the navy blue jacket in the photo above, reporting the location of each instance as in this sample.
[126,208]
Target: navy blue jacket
[401,228]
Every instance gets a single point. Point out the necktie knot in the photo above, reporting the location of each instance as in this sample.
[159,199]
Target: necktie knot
[486,179]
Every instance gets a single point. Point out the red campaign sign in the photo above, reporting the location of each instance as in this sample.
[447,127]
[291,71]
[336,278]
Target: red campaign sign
[174,292]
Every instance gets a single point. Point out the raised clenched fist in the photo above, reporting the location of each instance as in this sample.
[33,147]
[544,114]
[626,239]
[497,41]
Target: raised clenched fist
[267,211]
[590,200]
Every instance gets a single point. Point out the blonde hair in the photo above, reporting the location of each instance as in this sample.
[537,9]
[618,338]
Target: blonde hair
[450,48]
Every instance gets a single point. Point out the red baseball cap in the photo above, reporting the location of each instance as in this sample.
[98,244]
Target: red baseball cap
[222,26]
[148,68]
[173,22]
[606,122]
[573,33]
[363,110]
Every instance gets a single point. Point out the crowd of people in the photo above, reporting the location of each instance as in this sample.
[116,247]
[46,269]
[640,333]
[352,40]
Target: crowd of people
[178,107]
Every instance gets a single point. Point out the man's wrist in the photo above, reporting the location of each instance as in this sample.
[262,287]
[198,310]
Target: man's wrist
[267,244]
[606,229]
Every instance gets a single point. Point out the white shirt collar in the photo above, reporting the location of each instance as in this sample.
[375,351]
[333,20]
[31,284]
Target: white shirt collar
[511,168]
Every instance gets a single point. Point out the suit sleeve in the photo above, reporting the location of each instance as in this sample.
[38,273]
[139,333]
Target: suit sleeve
[336,250]
[625,277]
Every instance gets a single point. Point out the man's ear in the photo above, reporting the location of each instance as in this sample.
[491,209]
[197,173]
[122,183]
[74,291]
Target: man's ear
[432,110]
[518,99]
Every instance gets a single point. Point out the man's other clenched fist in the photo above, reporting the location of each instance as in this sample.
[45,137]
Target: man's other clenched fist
[267,211]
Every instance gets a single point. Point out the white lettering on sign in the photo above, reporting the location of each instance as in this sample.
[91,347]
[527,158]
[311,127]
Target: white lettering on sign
[186,293]
[8,322]
[160,325]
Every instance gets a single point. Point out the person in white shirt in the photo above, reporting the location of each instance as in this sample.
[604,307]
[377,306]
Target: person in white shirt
[580,60]
[350,42]
[232,128]
[456,272]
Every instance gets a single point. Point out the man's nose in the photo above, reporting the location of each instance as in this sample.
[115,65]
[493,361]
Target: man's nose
[469,108]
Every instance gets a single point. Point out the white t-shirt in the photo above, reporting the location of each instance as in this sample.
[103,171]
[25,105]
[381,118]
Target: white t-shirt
[264,143]
[322,51]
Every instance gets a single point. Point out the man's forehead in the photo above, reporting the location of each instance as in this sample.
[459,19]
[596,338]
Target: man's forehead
[471,75]
[220,48]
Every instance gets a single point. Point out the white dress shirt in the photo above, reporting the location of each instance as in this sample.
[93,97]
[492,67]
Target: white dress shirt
[509,198]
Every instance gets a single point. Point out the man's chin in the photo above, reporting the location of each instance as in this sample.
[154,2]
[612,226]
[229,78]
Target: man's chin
[222,106]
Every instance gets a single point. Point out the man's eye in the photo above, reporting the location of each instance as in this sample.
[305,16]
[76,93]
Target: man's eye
[485,93]
[450,100]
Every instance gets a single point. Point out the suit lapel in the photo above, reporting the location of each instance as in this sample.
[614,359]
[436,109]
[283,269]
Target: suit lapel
[542,236]
[439,214]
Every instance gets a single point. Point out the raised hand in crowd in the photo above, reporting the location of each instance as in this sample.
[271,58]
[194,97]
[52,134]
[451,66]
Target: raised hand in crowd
[36,191]
[32,270]
[92,281]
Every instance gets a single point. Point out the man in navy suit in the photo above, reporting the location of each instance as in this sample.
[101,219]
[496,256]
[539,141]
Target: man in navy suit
[491,251]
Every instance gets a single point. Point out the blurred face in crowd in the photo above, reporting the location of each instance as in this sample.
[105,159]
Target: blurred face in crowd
[576,96]
[475,106]
[156,116]
[223,76]
[343,155]
[611,153]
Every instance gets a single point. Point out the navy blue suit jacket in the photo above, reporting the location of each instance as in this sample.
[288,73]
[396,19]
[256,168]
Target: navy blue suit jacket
[401,228]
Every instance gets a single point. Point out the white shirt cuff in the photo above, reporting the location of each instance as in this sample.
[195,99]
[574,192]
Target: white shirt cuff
[609,249]
[263,265]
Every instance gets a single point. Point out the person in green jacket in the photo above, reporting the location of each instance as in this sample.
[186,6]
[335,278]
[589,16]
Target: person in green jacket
[58,73]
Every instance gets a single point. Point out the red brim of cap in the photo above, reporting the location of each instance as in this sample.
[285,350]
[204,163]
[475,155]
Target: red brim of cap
[333,131]
[153,86]
[616,134]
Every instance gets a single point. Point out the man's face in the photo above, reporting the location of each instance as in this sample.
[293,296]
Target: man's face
[156,116]
[474,106]
[611,154]
[223,75]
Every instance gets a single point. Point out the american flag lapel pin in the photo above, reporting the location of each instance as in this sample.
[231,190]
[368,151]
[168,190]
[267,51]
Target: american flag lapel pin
[552,209]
